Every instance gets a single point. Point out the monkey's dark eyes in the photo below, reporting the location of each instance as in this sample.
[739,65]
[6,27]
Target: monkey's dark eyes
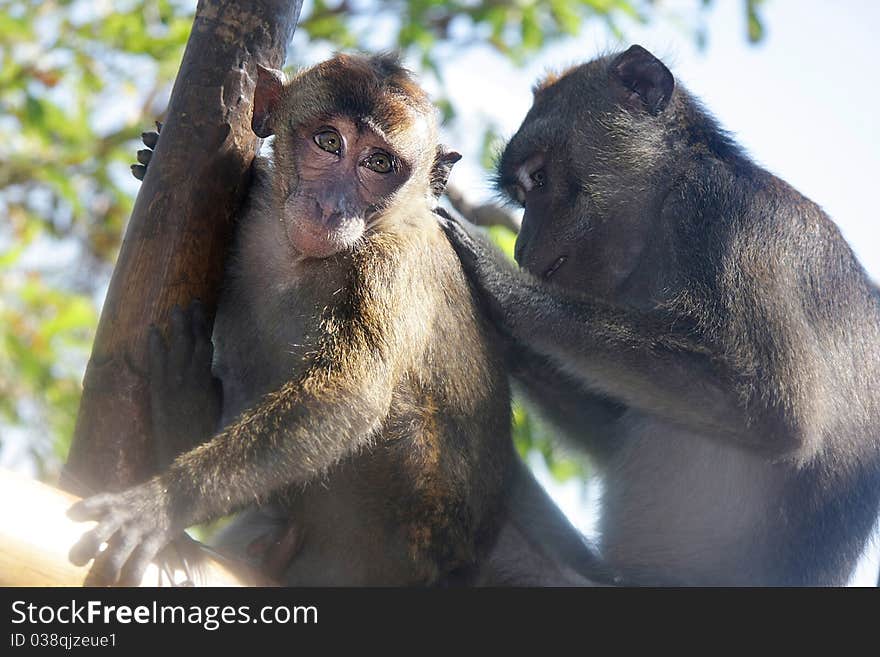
[330,141]
[379,162]
[539,177]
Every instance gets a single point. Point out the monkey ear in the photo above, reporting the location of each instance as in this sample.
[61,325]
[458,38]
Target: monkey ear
[647,83]
[270,83]
[444,160]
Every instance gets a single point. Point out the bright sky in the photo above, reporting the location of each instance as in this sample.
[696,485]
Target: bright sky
[804,103]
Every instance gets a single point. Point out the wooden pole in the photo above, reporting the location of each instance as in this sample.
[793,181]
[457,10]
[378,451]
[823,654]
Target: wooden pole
[35,538]
[179,230]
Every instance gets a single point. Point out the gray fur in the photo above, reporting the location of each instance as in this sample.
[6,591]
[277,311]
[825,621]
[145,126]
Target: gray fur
[710,338]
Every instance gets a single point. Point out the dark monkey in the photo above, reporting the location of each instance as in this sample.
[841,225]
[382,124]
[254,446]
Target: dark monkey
[365,405]
[702,328]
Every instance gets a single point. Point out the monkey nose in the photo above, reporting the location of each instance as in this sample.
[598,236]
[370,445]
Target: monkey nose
[333,212]
[334,218]
[328,211]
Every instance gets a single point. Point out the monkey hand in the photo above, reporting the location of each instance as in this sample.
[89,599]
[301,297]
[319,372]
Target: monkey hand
[185,397]
[135,525]
[489,270]
[144,156]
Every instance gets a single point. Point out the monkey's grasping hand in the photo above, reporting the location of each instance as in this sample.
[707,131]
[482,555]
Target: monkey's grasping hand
[144,156]
[135,528]
[489,270]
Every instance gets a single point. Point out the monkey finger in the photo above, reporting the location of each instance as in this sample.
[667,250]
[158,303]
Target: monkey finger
[197,315]
[204,348]
[447,221]
[159,389]
[89,545]
[92,508]
[144,155]
[150,139]
[133,571]
[462,243]
[442,216]
[108,564]
[453,229]
[157,352]
[138,171]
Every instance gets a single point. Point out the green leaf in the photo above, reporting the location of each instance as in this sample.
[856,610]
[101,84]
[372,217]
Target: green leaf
[504,238]
[566,16]
[755,29]
[532,35]
[14,30]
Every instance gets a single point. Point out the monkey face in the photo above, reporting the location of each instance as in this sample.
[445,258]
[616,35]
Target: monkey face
[346,173]
[584,166]
[354,137]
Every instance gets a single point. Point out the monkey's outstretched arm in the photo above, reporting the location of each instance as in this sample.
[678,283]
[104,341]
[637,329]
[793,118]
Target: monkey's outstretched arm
[650,360]
[564,400]
[291,437]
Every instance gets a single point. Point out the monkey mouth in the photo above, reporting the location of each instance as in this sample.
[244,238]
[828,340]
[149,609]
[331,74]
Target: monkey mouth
[552,269]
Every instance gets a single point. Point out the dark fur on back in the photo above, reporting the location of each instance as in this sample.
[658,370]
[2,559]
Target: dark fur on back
[709,335]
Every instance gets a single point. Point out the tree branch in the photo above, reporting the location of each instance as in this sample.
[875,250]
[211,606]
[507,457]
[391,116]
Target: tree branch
[178,234]
[35,538]
[487,214]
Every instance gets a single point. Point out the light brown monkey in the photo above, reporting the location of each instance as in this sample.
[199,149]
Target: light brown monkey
[366,408]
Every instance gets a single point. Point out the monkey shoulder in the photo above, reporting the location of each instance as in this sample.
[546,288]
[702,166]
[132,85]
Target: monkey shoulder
[457,385]
[447,429]
[423,262]
[732,220]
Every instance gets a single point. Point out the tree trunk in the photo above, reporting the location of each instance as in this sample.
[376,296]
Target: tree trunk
[179,230]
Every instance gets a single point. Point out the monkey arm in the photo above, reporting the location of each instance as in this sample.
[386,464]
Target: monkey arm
[292,436]
[650,360]
[564,400]
[630,356]
[561,398]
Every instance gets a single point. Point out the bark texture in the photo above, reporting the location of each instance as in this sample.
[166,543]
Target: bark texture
[178,234]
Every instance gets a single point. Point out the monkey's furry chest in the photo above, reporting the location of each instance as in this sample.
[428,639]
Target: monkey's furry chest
[417,501]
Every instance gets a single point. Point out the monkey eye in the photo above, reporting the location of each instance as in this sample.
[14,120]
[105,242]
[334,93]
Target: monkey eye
[330,141]
[380,162]
[539,177]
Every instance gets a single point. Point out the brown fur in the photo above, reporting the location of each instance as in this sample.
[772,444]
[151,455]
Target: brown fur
[365,404]
[397,340]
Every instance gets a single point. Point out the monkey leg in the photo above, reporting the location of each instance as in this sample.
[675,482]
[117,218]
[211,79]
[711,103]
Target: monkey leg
[263,536]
